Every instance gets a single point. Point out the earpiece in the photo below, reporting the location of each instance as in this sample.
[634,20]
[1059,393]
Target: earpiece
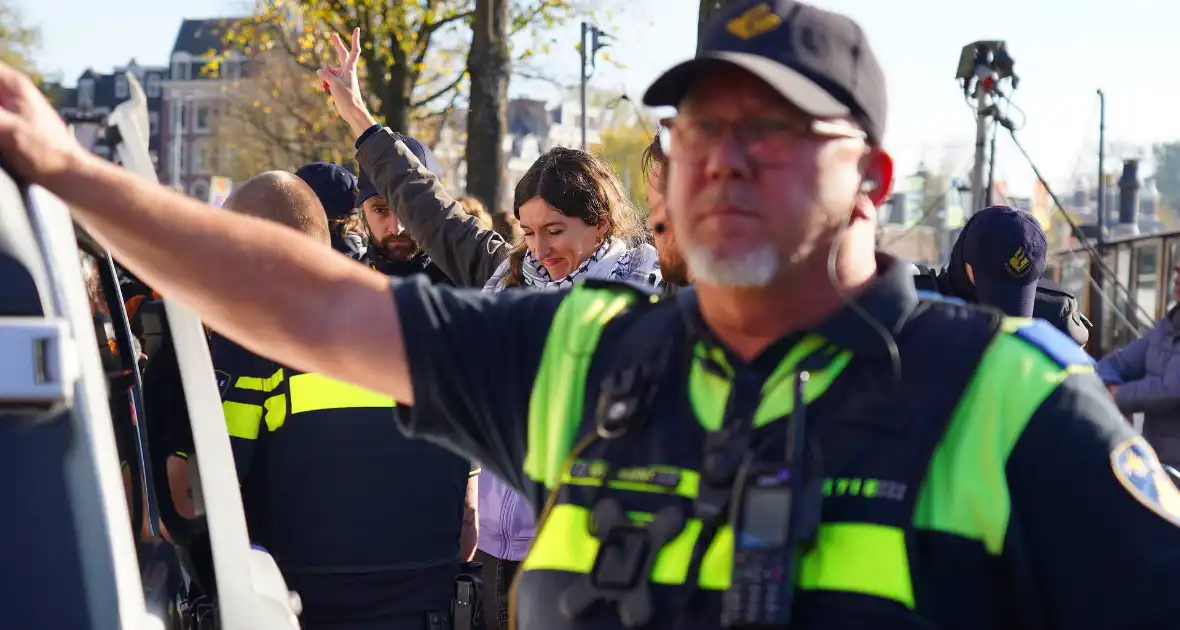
[868,185]
[661,227]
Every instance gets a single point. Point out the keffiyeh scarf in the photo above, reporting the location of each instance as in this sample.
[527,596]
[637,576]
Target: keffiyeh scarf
[613,260]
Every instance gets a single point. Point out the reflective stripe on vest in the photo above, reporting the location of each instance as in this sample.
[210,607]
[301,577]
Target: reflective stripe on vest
[242,420]
[555,406]
[966,488]
[851,557]
[307,392]
[709,392]
[315,392]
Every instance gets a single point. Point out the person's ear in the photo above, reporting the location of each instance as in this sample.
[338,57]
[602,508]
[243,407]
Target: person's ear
[878,181]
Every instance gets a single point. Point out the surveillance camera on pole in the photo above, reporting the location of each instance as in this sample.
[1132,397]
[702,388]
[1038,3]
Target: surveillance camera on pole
[983,66]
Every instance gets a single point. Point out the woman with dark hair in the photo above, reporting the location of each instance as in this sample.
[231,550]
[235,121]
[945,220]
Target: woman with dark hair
[576,223]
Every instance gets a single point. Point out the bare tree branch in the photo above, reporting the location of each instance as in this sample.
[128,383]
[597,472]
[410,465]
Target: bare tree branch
[441,92]
[422,41]
[533,75]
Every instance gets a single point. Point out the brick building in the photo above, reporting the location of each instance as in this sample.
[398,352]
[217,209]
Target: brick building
[191,99]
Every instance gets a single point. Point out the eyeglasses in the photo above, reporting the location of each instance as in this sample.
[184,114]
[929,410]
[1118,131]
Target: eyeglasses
[766,140]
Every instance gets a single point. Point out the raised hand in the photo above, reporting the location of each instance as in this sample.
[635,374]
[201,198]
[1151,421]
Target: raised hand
[341,82]
[34,141]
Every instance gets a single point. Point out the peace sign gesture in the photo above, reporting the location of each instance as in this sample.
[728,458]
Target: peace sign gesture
[341,82]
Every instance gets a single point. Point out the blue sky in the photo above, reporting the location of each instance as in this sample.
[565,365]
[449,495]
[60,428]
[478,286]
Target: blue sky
[1064,52]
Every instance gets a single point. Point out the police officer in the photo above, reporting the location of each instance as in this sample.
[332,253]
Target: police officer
[336,189]
[998,260]
[365,524]
[795,435]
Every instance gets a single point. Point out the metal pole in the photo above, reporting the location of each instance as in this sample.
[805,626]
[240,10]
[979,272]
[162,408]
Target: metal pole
[177,132]
[982,76]
[1098,307]
[582,50]
[1101,172]
[991,168]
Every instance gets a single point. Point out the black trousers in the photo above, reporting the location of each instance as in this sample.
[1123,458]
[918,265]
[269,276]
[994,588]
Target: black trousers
[497,580]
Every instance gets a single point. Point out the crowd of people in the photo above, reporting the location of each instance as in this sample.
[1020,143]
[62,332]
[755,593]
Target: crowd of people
[688,426]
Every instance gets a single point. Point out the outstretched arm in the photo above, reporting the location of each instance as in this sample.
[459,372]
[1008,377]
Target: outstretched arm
[262,285]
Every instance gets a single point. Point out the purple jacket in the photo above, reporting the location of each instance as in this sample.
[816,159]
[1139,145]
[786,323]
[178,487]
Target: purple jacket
[506,524]
[1147,371]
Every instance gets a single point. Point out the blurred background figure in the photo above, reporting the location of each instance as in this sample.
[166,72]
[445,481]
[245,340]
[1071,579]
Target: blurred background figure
[672,267]
[1144,377]
[475,208]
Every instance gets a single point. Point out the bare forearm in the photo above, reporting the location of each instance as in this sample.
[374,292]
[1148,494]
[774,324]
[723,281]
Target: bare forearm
[470,533]
[265,286]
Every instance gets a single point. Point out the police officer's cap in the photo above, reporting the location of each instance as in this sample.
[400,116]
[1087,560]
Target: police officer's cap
[818,60]
[334,185]
[1007,251]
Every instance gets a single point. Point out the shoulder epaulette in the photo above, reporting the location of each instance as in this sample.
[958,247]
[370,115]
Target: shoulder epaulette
[1046,338]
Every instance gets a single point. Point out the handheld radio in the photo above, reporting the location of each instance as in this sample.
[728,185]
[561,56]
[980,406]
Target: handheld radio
[777,509]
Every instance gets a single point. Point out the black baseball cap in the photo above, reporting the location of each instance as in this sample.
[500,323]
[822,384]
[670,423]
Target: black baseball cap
[334,185]
[365,187]
[818,60]
[1007,251]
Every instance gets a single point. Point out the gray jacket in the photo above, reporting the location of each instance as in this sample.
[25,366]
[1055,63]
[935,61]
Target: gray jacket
[466,250]
[1147,372]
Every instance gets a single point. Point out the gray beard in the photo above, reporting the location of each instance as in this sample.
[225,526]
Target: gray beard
[753,269]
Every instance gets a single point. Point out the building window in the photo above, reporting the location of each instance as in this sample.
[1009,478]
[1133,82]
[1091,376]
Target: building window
[180,70]
[155,159]
[153,124]
[202,118]
[153,85]
[199,190]
[182,160]
[231,69]
[85,93]
[200,163]
[176,118]
[122,90]
[225,160]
